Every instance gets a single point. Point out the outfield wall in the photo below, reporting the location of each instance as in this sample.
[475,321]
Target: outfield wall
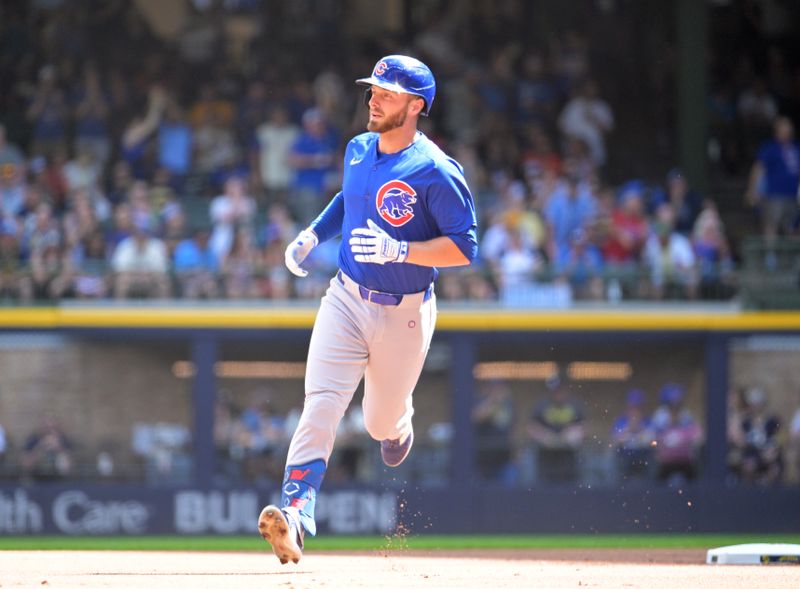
[101,370]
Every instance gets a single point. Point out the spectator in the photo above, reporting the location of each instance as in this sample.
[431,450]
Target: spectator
[48,113]
[142,211]
[571,206]
[211,106]
[774,180]
[230,212]
[492,420]
[136,137]
[518,263]
[540,157]
[173,226]
[240,268]
[164,448]
[91,118]
[121,228]
[15,283]
[82,172]
[712,252]
[581,267]
[196,265]
[276,234]
[351,461]
[758,441]
[175,143]
[252,110]
[89,268]
[625,239]
[633,438]
[140,265]
[735,436]
[678,437]
[120,183]
[55,179]
[227,451]
[556,426]
[47,454]
[313,159]
[670,258]
[215,147]
[42,243]
[275,140]
[259,433]
[685,202]
[589,118]
[12,167]
[12,177]
[536,95]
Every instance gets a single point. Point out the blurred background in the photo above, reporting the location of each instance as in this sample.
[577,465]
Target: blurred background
[631,157]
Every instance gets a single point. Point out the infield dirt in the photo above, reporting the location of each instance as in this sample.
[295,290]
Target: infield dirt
[543,569]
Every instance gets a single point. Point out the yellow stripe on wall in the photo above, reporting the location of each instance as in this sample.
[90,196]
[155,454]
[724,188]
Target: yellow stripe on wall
[449,319]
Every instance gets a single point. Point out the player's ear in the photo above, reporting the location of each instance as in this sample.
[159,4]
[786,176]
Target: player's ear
[416,104]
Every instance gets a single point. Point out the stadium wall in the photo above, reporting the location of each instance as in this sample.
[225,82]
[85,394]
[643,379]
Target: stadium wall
[695,346]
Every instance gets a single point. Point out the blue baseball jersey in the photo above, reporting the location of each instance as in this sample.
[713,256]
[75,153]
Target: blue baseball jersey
[416,194]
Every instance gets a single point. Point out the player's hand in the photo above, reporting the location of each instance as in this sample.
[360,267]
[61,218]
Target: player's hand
[298,250]
[373,245]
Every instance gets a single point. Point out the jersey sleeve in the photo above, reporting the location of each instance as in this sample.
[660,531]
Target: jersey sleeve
[329,222]
[450,202]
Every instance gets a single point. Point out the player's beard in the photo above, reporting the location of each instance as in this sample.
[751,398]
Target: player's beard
[388,122]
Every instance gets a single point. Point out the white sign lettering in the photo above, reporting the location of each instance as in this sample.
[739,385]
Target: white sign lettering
[75,513]
[224,513]
[18,514]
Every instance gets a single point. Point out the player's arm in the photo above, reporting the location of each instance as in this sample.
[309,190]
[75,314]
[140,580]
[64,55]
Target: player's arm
[329,222]
[327,225]
[441,252]
[450,203]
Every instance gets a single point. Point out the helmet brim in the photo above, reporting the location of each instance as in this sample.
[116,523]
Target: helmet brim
[392,87]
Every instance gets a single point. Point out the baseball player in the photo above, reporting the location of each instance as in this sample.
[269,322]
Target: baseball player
[404,210]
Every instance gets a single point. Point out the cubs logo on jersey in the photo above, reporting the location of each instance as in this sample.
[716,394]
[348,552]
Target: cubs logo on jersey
[395,201]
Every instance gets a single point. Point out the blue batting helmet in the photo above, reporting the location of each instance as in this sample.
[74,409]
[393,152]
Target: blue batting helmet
[400,73]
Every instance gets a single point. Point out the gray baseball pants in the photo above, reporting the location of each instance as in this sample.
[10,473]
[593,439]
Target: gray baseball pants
[353,338]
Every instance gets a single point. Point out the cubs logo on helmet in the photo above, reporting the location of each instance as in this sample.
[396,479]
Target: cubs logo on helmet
[395,201]
[380,68]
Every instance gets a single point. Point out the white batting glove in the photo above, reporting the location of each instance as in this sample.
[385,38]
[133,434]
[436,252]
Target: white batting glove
[298,250]
[373,245]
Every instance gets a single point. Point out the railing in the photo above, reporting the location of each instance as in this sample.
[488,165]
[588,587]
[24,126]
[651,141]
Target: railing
[770,274]
[19,283]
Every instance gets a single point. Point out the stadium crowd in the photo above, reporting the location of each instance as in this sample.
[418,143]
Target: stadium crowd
[137,167]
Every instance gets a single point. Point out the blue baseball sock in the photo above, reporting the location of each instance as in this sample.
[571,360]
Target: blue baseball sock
[300,485]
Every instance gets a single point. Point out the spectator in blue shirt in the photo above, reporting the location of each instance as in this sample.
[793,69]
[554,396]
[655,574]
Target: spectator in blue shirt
[175,143]
[314,158]
[582,266]
[774,180]
[570,207]
[196,265]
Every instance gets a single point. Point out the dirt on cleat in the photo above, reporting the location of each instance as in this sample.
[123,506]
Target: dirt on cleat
[274,528]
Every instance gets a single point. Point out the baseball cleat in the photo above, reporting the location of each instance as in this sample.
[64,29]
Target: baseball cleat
[393,452]
[282,529]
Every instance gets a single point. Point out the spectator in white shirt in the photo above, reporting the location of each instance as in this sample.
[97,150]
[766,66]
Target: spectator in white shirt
[140,266]
[275,140]
[670,257]
[588,117]
[230,211]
